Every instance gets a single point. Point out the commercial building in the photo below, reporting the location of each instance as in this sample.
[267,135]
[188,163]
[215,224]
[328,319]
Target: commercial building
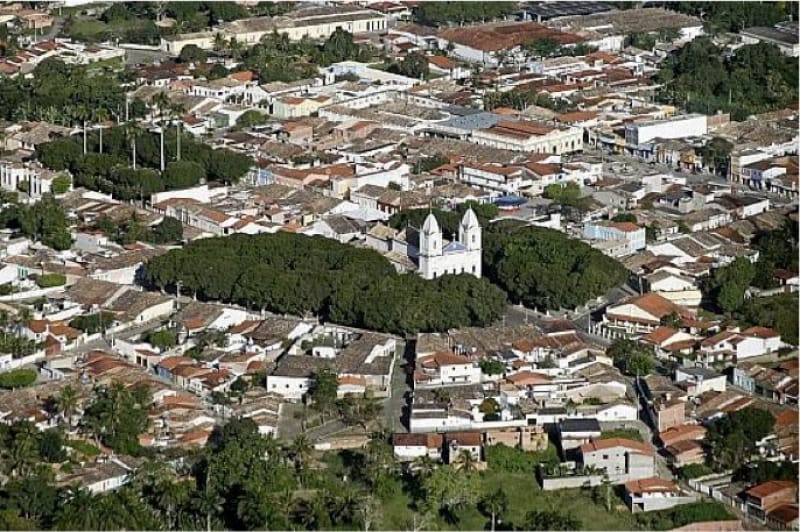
[314,22]
[530,136]
[630,236]
[783,35]
[677,127]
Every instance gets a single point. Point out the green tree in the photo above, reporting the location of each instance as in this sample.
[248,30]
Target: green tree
[733,438]
[340,47]
[550,520]
[543,46]
[117,416]
[46,221]
[323,390]
[168,231]
[17,378]
[631,357]
[495,504]
[183,174]
[491,366]
[163,339]
[413,65]
[61,184]
[728,285]
[251,118]
[449,490]
[192,54]
[51,446]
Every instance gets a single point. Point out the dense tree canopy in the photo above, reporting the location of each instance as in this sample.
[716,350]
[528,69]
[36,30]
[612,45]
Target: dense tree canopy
[758,78]
[735,16]
[118,416]
[733,438]
[44,221]
[296,274]
[110,171]
[779,312]
[440,13]
[58,93]
[546,269]
[634,358]
[725,289]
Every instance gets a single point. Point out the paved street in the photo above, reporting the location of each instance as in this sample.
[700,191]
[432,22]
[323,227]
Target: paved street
[394,406]
[583,318]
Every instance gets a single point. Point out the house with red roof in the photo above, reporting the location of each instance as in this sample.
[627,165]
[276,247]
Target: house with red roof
[446,368]
[769,496]
[735,345]
[643,314]
[654,493]
[410,446]
[447,68]
[622,460]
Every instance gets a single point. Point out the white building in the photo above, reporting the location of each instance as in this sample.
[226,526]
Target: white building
[31,178]
[314,22]
[630,236]
[530,137]
[735,345]
[654,493]
[447,368]
[458,256]
[694,125]
[677,288]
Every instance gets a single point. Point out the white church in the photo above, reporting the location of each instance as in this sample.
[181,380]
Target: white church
[426,251]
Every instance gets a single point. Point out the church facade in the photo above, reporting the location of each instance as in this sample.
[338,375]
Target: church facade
[426,251]
[438,257]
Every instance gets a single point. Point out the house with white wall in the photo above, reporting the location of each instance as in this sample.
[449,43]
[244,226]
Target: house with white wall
[446,368]
[735,345]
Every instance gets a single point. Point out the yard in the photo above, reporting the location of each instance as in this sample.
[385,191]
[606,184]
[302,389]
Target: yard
[524,495]
[628,434]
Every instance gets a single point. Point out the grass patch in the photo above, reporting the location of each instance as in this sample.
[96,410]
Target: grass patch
[83,447]
[683,515]
[524,495]
[628,434]
[502,458]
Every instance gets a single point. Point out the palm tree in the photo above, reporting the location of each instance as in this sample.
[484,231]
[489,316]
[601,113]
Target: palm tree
[424,466]
[208,502]
[219,43]
[162,103]
[21,457]
[101,115]
[301,452]
[133,130]
[495,504]
[78,511]
[466,462]
[67,402]
[83,114]
[235,47]
[4,321]
[177,110]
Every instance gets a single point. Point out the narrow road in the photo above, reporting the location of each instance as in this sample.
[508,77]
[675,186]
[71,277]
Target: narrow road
[396,402]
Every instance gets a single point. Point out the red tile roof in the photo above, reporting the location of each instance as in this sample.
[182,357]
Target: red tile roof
[765,489]
[761,332]
[610,443]
[650,485]
[471,439]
